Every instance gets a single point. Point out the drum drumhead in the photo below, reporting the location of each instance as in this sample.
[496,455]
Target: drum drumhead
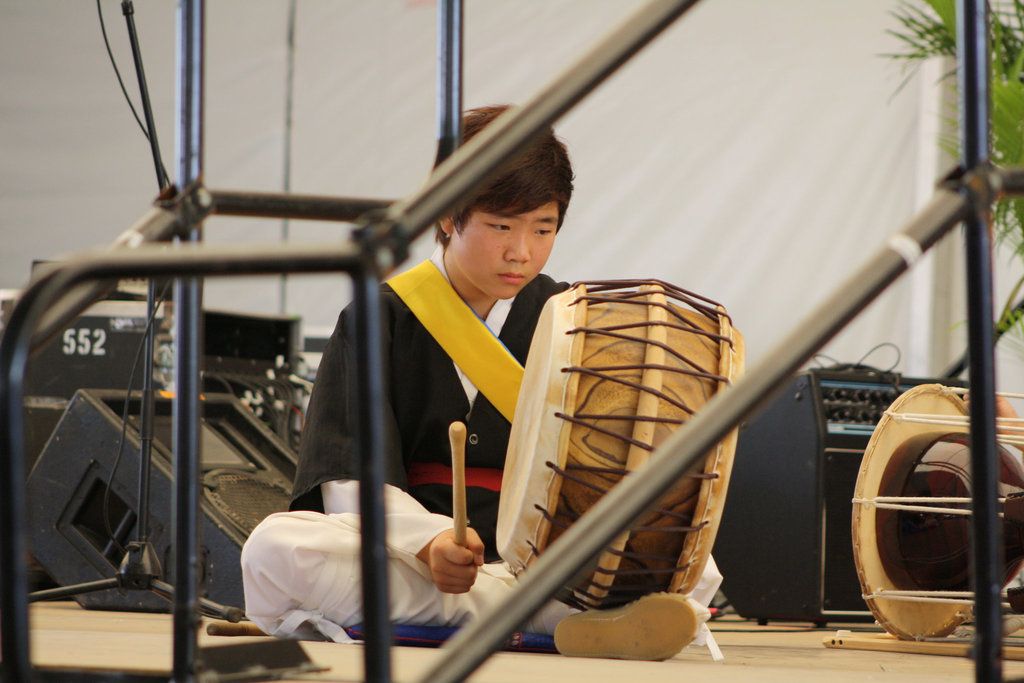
[528,482]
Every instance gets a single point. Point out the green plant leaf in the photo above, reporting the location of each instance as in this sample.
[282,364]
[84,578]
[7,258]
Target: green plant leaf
[928,29]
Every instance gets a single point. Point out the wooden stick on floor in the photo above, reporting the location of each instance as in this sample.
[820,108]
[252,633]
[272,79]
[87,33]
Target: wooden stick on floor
[242,628]
[457,440]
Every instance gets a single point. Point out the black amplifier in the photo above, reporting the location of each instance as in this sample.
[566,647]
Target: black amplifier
[785,546]
[96,351]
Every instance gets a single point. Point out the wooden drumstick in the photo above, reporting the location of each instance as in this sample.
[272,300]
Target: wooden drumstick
[457,440]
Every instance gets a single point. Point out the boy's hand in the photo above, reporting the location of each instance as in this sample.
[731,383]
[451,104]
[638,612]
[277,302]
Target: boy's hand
[453,567]
[1003,407]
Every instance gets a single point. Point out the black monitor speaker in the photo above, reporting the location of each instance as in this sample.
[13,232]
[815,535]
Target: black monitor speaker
[83,495]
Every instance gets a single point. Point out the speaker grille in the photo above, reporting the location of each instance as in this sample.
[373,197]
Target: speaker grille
[243,499]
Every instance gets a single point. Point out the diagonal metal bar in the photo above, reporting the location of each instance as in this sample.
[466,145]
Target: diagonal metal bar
[681,452]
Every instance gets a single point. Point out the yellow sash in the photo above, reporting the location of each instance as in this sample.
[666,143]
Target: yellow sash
[462,334]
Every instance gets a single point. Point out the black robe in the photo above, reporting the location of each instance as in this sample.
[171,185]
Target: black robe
[423,396]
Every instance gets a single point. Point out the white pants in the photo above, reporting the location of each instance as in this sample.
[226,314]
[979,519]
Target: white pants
[300,572]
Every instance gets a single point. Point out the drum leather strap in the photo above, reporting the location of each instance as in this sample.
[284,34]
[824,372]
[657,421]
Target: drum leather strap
[462,334]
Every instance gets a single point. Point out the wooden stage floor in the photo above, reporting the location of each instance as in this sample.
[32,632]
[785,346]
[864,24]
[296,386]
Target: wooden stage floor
[66,636]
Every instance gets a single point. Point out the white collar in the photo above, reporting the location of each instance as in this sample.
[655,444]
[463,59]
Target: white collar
[499,311]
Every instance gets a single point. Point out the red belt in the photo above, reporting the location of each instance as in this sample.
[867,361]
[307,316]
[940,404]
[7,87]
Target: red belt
[421,473]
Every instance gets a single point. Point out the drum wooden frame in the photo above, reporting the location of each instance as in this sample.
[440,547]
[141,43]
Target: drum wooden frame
[614,368]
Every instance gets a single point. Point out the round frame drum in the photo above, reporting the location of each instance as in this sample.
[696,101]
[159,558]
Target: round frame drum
[905,619]
[614,368]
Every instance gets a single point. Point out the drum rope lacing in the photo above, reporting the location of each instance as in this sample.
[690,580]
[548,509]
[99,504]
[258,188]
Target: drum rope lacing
[633,385]
[617,471]
[629,555]
[683,325]
[696,372]
[551,517]
[604,431]
[1010,429]
[907,503]
[712,311]
[951,597]
[619,587]
[610,331]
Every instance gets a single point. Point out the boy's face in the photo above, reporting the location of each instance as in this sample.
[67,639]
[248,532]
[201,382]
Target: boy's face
[495,255]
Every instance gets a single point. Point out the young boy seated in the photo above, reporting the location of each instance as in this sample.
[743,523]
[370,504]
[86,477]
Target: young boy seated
[301,569]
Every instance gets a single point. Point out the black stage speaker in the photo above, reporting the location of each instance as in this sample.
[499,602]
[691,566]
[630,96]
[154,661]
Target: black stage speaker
[41,413]
[785,546]
[78,489]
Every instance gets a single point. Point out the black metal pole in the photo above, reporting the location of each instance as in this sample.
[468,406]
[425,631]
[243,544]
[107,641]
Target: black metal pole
[147,405]
[188,296]
[449,78]
[986,568]
[682,451]
[370,416]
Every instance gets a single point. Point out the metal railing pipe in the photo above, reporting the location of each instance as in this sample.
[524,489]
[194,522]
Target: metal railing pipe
[15,346]
[288,205]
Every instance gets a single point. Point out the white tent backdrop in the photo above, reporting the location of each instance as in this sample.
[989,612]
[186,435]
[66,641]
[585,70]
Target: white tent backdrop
[757,152]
